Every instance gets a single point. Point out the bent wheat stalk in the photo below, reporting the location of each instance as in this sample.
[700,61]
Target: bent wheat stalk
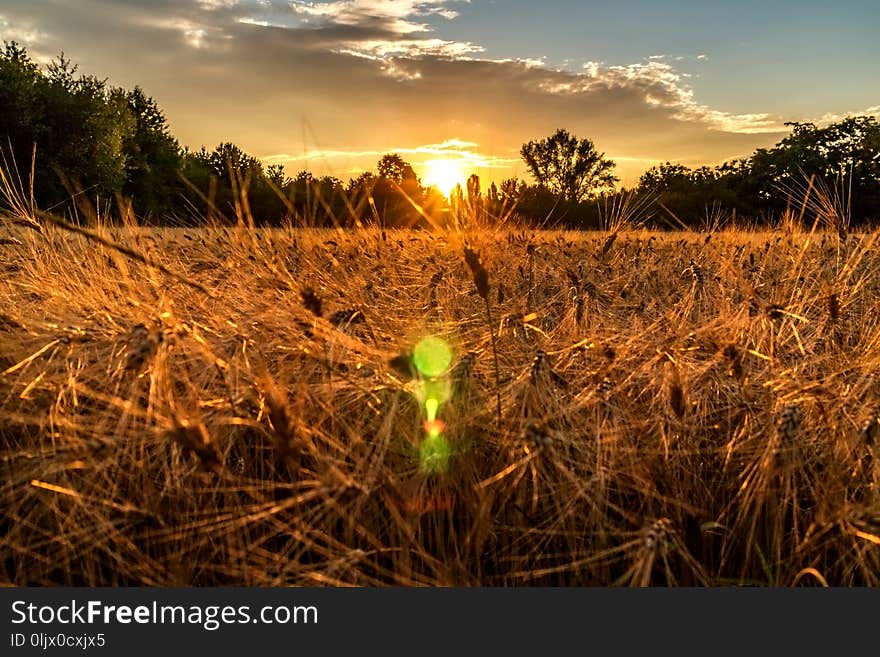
[481,282]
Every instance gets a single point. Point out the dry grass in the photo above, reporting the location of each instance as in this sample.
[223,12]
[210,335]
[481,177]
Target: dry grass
[675,408]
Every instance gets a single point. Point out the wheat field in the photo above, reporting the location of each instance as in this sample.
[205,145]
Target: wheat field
[237,406]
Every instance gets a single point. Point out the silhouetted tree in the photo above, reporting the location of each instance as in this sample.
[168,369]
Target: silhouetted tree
[394,168]
[275,174]
[397,192]
[666,177]
[844,156]
[227,158]
[569,167]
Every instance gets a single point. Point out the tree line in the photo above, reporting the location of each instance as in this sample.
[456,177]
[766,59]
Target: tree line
[97,141]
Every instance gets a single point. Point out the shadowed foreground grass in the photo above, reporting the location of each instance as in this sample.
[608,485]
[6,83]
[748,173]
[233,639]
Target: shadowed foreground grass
[675,409]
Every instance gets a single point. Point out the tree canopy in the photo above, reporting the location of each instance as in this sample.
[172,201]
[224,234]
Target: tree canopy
[569,167]
[841,160]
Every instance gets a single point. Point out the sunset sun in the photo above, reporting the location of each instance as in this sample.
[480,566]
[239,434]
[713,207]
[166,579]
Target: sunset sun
[444,175]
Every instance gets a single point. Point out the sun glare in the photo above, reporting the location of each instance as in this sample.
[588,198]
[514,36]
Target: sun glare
[444,175]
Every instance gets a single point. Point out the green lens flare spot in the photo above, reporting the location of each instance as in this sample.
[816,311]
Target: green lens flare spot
[440,390]
[431,406]
[435,453]
[432,356]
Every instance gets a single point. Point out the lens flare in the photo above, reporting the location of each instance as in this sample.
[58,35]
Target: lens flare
[432,356]
[434,453]
[431,407]
[439,390]
[434,427]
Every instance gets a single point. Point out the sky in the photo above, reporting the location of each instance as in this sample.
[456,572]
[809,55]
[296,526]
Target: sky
[330,86]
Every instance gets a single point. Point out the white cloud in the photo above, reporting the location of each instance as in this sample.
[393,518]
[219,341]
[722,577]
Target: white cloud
[211,5]
[660,85]
[198,35]
[409,48]
[195,37]
[398,16]
[829,118]
[25,34]
[385,29]
[258,23]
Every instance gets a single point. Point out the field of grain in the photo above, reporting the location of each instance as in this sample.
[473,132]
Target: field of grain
[665,409]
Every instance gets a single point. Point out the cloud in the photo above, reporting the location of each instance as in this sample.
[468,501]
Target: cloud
[466,152]
[660,85]
[384,29]
[408,48]
[344,82]
[396,16]
[22,33]
[195,34]
[831,117]
[26,33]
[217,4]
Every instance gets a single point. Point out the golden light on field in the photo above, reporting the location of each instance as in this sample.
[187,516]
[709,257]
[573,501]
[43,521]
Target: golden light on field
[445,175]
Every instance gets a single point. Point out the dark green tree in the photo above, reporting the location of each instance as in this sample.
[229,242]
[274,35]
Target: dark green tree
[85,127]
[153,159]
[78,124]
[20,102]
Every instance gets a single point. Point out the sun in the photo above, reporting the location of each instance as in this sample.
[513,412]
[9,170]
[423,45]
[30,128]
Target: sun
[444,175]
